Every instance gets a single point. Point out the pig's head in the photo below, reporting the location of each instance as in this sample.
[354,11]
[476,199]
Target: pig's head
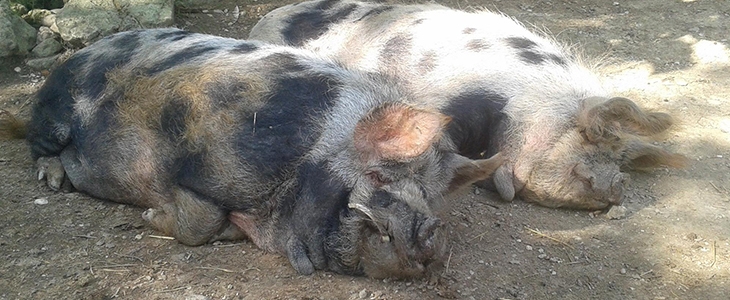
[584,168]
[391,227]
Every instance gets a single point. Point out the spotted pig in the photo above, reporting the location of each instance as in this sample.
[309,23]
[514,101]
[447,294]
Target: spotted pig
[222,138]
[568,142]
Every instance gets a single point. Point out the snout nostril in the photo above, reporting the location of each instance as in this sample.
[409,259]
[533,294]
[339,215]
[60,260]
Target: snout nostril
[426,234]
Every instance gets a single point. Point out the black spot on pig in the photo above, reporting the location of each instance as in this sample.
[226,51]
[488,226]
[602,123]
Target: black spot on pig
[395,49]
[174,35]
[557,60]
[181,57]
[286,126]
[321,199]
[311,25]
[532,57]
[243,48]
[286,62]
[53,109]
[476,119]
[172,119]
[127,42]
[521,43]
[375,11]
[477,45]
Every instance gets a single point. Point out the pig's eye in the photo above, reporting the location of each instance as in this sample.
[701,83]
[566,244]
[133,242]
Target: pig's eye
[377,178]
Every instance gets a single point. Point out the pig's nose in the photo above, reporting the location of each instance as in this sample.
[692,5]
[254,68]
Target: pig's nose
[618,183]
[427,236]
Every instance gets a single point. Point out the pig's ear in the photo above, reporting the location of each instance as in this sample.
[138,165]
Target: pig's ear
[397,132]
[470,171]
[641,155]
[604,122]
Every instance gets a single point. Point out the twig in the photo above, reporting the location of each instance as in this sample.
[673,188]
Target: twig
[716,188]
[172,290]
[254,123]
[119,266]
[226,270]
[161,237]
[228,245]
[478,236]
[115,293]
[549,237]
[85,236]
[647,272]
[115,270]
[129,256]
[714,252]
[448,261]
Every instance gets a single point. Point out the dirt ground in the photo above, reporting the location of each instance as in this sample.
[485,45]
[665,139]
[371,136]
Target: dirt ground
[673,243]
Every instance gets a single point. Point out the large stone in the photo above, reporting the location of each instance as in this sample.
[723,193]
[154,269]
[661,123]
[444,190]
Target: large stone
[82,22]
[44,63]
[16,36]
[46,48]
[150,13]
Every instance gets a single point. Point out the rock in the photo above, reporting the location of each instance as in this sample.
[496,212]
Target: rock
[16,36]
[617,212]
[47,48]
[44,33]
[49,20]
[43,63]
[41,201]
[150,13]
[196,297]
[35,16]
[191,3]
[82,22]
[18,8]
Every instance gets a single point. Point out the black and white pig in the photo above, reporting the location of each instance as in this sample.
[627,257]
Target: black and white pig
[567,141]
[222,138]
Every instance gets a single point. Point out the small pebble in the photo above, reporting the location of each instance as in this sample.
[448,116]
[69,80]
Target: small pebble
[363,294]
[617,212]
[528,247]
[41,201]
[623,270]
[17,69]
[138,237]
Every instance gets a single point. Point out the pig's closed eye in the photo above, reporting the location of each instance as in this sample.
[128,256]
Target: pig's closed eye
[377,178]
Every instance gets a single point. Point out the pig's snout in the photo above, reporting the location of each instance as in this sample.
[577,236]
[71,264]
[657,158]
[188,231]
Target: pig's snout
[427,236]
[618,183]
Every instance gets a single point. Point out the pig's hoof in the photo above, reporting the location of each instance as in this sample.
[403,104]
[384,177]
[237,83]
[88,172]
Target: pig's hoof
[149,214]
[297,254]
[52,170]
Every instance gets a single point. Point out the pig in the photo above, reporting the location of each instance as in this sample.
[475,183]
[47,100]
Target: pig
[567,141]
[336,169]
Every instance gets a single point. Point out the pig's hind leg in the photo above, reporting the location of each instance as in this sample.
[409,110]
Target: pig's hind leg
[192,220]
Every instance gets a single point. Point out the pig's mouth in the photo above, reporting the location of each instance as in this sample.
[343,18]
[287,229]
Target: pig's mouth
[402,245]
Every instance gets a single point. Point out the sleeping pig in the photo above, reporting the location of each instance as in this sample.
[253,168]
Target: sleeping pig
[567,141]
[220,138]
